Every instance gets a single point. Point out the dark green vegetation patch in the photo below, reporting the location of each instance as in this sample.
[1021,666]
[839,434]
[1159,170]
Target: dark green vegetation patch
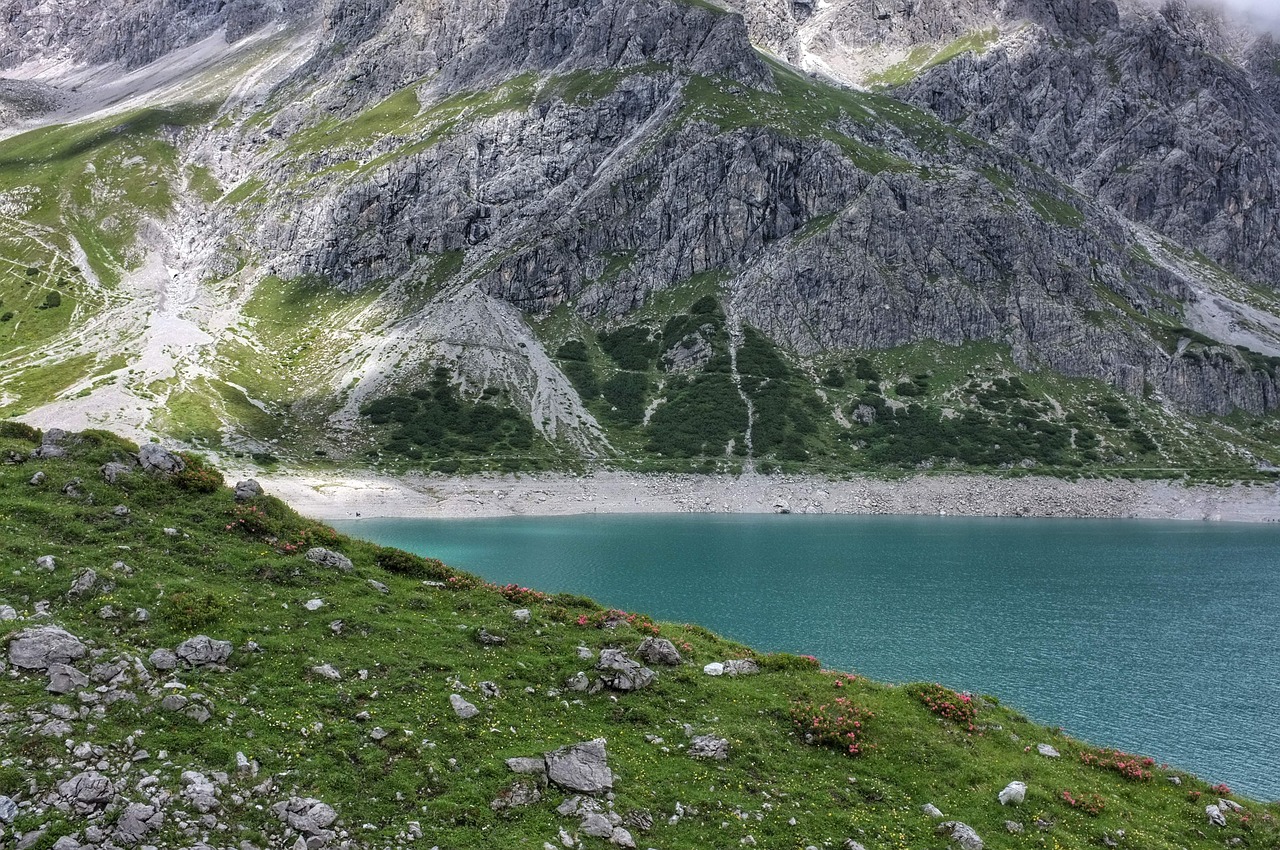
[437,425]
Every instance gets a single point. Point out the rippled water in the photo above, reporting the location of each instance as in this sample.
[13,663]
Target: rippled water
[1156,637]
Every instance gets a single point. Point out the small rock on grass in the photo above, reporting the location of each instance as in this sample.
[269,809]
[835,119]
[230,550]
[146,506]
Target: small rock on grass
[462,708]
[1014,792]
[962,834]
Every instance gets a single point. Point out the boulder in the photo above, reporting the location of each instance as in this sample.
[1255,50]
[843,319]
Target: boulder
[522,615]
[655,650]
[621,673]
[159,461]
[1015,792]
[1047,751]
[328,558]
[581,767]
[202,793]
[113,472]
[715,668]
[48,563]
[534,766]
[462,708]
[962,834]
[247,491]
[163,659]
[135,822]
[39,647]
[1216,817]
[87,792]
[8,809]
[48,452]
[307,815]
[37,479]
[596,825]
[83,584]
[63,679]
[709,747]
[203,650]
[931,810]
[741,667]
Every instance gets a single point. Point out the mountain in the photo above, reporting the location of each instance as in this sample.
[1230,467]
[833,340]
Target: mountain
[651,233]
[188,666]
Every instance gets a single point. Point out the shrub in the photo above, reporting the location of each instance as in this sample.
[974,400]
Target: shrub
[407,564]
[837,725]
[192,611]
[613,618]
[197,476]
[946,703]
[7,316]
[630,347]
[863,370]
[834,378]
[19,431]
[1090,804]
[783,661]
[1129,766]
[51,300]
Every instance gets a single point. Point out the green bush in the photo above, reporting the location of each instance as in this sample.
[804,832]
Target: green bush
[51,300]
[406,564]
[630,347]
[626,392]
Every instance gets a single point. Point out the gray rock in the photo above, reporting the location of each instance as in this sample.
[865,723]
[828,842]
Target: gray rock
[48,452]
[174,702]
[378,586]
[37,479]
[462,708]
[521,764]
[328,671]
[741,667]
[709,747]
[522,615]
[200,791]
[159,461]
[621,673]
[596,825]
[163,659]
[1047,750]
[850,844]
[83,583]
[581,767]
[307,815]
[203,650]
[486,638]
[8,613]
[247,491]
[120,511]
[328,558]
[490,690]
[656,650]
[931,810]
[87,792]
[47,563]
[622,838]
[1015,792]
[1215,815]
[63,679]
[8,809]
[516,795]
[37,648]
[577,683]
[135,822]
[962,834]
[112,472]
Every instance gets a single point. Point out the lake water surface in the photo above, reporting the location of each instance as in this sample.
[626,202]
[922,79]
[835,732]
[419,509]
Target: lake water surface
[1157,637]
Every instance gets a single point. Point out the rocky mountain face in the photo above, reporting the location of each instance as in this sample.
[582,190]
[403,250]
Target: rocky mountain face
[532,193]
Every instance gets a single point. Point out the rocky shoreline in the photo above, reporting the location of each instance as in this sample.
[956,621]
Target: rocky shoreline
[350,496]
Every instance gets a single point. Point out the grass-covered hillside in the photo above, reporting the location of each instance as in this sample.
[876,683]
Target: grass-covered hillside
[365,697]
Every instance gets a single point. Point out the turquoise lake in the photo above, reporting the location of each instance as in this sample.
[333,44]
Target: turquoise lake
[1161,638]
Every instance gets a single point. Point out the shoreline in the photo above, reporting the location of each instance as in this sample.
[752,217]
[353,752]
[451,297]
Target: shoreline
[354,495]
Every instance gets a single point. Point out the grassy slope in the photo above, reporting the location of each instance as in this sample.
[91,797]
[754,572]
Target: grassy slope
[237,574]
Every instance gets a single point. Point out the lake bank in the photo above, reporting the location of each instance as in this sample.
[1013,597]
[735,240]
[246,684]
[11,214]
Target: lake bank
[350,495]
